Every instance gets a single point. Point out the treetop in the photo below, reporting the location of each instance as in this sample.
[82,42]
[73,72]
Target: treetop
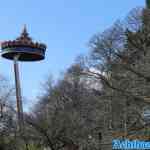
[148,3]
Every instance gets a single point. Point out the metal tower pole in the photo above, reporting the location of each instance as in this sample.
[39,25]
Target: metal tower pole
[18,95]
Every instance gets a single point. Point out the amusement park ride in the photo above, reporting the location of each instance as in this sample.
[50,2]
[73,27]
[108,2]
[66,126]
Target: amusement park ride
[22,49]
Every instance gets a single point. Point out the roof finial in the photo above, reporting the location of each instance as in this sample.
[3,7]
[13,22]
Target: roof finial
[147,3]
[24,31]
[24,35]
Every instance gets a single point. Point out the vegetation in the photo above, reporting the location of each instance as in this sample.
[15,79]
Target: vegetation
[101,96]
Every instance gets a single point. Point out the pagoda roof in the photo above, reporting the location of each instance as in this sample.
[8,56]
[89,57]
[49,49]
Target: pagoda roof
[23,40]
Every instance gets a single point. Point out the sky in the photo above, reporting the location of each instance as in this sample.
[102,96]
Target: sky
[65,26]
